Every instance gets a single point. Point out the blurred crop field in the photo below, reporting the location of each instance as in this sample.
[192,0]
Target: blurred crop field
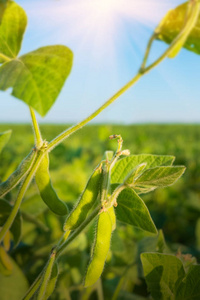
[175,210]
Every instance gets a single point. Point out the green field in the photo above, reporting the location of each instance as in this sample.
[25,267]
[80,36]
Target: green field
[175,210]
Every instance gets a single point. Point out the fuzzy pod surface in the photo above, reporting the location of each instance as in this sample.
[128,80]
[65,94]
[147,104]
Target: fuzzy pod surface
[85,202]
[100,249]
[46,189]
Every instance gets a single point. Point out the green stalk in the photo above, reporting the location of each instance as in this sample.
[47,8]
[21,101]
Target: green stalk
[78,126]
[60,248]
[148,49]
[33,288]
[143,70]
[36,129]
[20,196]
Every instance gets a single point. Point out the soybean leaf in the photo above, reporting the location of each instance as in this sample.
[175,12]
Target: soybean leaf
[159,176]
[135,173]
[189,287]
[131,209]
[38,77]
[4,138]
[125,165]
[173,23]
[12,27]
[163,273]
[13,287]
[16,177]
[46,189]
[5,210]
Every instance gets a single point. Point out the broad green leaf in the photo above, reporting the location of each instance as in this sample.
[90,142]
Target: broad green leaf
[4,138]
[189,287]
[134,174]
[12,27]
[5,210]
[13,287]
[16,177]
[38,77]
[3,5]
[125,165]
[159,176]
[47,192]
[173,23]
[163,273]
[131,209]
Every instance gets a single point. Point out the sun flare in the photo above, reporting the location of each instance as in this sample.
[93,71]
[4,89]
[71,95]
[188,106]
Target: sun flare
[101,25]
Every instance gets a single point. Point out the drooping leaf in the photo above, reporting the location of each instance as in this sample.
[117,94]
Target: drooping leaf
[125,165]
[13,287]
[131,209]
[163,273]
[4,138]
[159,176]
[12,28]
[189,287]
[173,23]
[5,210]
[38,77]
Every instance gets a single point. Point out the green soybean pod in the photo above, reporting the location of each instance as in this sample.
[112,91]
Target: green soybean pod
[46,277]
[85,202]
[100,249]
[52,282]
[111,212]
[46,190]
[18,174]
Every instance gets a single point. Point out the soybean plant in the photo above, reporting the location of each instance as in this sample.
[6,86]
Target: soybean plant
[113,190]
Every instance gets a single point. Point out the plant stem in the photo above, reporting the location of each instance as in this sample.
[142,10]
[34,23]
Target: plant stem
[187,28]
[33,288]
[20,196]
[5,58]
[78,126]
[62,247]
[36,129]
[148,49]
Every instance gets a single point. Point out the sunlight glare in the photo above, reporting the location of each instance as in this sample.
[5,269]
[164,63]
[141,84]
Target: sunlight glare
[104,25]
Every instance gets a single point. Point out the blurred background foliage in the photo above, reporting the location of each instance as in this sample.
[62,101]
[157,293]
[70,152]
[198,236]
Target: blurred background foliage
[175,210]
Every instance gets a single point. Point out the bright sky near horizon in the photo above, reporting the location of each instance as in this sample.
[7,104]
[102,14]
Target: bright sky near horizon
[108,39]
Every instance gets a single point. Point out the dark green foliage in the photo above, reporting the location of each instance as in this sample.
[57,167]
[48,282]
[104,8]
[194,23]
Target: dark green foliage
[175,209]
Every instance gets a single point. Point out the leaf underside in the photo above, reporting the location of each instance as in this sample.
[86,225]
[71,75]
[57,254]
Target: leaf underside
[172,24]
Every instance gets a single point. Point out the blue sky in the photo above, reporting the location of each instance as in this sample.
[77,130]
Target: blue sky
[106,56]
